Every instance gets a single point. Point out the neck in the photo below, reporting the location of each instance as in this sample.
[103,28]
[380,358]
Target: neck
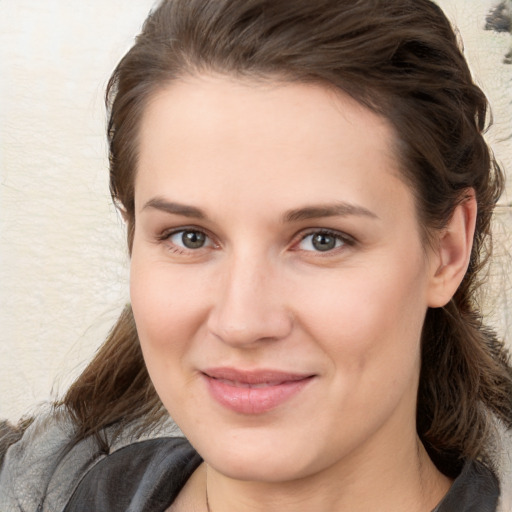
[407,481]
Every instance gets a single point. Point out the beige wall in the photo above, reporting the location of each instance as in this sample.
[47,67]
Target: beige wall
[63,266]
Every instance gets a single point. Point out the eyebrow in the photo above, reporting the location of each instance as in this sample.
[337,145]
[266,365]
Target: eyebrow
[329,210]
[298,214]
[158,203]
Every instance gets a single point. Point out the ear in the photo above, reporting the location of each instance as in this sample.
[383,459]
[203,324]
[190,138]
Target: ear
[450,259]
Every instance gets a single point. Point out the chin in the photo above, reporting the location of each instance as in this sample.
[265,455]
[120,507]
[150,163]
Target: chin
[259,467]
[258,456]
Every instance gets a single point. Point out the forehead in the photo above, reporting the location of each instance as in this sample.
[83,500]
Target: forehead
[245,138]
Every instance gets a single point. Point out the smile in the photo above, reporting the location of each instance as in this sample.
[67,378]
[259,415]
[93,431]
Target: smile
[253,392]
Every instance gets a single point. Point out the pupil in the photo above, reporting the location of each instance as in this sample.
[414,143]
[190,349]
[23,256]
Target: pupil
[323,242]
[193,239]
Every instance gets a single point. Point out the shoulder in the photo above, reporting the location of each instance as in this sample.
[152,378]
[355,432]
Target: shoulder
[42,469]
[9,435]
[484,486]
[503,467]
[145,476]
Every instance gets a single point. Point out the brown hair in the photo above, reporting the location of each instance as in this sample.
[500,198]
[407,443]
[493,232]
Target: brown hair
[401,59]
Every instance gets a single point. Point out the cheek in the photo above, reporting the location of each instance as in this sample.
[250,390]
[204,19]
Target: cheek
[369,323]
[354,306]
[168,308]
[167,311]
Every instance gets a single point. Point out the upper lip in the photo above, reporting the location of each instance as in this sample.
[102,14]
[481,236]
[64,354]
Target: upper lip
[257,376]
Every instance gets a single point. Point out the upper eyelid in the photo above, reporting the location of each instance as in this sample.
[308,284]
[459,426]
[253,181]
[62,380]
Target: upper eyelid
[334,232]
[166,233]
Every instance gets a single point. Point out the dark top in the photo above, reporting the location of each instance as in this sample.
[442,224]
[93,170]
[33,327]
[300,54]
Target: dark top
[147,476]
[142,477]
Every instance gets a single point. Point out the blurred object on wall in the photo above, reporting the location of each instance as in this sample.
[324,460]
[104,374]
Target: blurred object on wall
[499,19]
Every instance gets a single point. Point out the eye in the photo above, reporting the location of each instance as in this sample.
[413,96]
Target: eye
[322,241]
[189,239]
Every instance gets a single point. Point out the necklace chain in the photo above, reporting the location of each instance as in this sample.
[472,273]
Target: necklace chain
[208,509]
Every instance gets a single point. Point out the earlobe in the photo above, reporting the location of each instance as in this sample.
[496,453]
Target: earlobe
[453,252]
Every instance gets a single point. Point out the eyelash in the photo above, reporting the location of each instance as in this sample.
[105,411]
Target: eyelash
[346,240]
[166,236]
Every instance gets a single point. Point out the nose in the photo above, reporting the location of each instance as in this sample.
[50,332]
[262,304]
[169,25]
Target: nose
[250,305]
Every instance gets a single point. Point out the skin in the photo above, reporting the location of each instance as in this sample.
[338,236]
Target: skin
[255,158]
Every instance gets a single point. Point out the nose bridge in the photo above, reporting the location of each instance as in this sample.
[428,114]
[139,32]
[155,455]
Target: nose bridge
[251,304]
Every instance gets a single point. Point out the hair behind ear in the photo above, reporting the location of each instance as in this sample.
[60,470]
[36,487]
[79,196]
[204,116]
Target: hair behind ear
[465,370]
[115,387]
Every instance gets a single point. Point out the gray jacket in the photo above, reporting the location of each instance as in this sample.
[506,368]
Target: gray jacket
[40,472]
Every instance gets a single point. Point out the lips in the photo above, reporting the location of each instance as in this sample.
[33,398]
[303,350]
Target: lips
[253,392]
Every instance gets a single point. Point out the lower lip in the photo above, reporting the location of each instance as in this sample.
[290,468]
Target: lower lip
[255,400]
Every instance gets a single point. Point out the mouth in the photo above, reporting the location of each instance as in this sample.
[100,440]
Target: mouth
[253,392]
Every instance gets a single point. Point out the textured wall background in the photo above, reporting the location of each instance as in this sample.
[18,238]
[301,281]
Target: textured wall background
[63,264]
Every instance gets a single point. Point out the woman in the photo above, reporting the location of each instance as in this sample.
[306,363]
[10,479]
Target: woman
[308,199]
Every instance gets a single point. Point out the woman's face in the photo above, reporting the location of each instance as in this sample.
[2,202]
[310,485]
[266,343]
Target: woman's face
[278,279]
